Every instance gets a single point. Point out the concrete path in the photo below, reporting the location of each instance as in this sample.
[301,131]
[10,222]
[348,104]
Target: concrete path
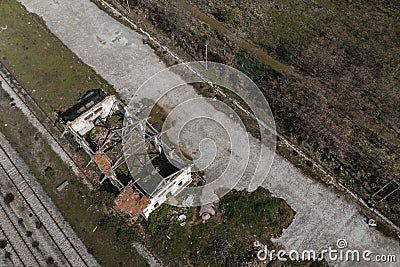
[119,55]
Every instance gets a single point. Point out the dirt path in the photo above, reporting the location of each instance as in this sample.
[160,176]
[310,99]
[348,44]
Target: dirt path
[243,44]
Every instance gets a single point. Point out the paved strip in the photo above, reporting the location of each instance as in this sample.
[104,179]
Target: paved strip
[321,216]
[145,253]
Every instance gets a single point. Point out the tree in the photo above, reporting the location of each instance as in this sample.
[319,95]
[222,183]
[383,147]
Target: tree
[106,199]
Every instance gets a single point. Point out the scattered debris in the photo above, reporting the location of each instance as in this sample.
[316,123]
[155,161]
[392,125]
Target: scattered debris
[371,222]
[129,202]
[62,185]
[93,118]
[207,211]
[3,28]
[182,219]
[96,123]
[103,163]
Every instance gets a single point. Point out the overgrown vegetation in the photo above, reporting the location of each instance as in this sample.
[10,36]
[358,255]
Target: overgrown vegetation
[335,105]
[229,15]
[227,238]
[334,90]
[56,79]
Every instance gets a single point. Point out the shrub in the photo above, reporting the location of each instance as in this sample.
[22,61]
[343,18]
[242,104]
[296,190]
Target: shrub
[49,172]
[38,224]
[49,260]
[9,198]
[229,15]
[3,243]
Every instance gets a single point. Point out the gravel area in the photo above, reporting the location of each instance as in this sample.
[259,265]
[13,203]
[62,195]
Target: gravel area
[119,55]
[20,209]
[38,202]
[20,247]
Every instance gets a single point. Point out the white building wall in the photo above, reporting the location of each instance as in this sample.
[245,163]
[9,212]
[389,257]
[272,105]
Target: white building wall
[84,123]
[179,183]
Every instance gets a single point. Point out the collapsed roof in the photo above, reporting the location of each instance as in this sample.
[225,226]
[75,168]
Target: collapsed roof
[129,202]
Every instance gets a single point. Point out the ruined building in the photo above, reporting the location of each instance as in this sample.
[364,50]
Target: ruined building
[96,123]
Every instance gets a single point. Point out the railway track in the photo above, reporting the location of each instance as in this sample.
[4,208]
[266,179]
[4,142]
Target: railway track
[50,224]
[5,75]
[15,252]
[13,235]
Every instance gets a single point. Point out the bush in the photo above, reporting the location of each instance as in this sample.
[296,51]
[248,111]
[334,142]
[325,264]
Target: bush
[229,15]
[35,244]
[309,163]
[3,243]
[38,224]
[50,260]
[28,233]
[49,172]
[9,198]
[158,219]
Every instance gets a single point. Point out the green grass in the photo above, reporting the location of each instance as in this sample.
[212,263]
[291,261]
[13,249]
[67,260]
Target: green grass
[82,208]
[41,62]
[56,78]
